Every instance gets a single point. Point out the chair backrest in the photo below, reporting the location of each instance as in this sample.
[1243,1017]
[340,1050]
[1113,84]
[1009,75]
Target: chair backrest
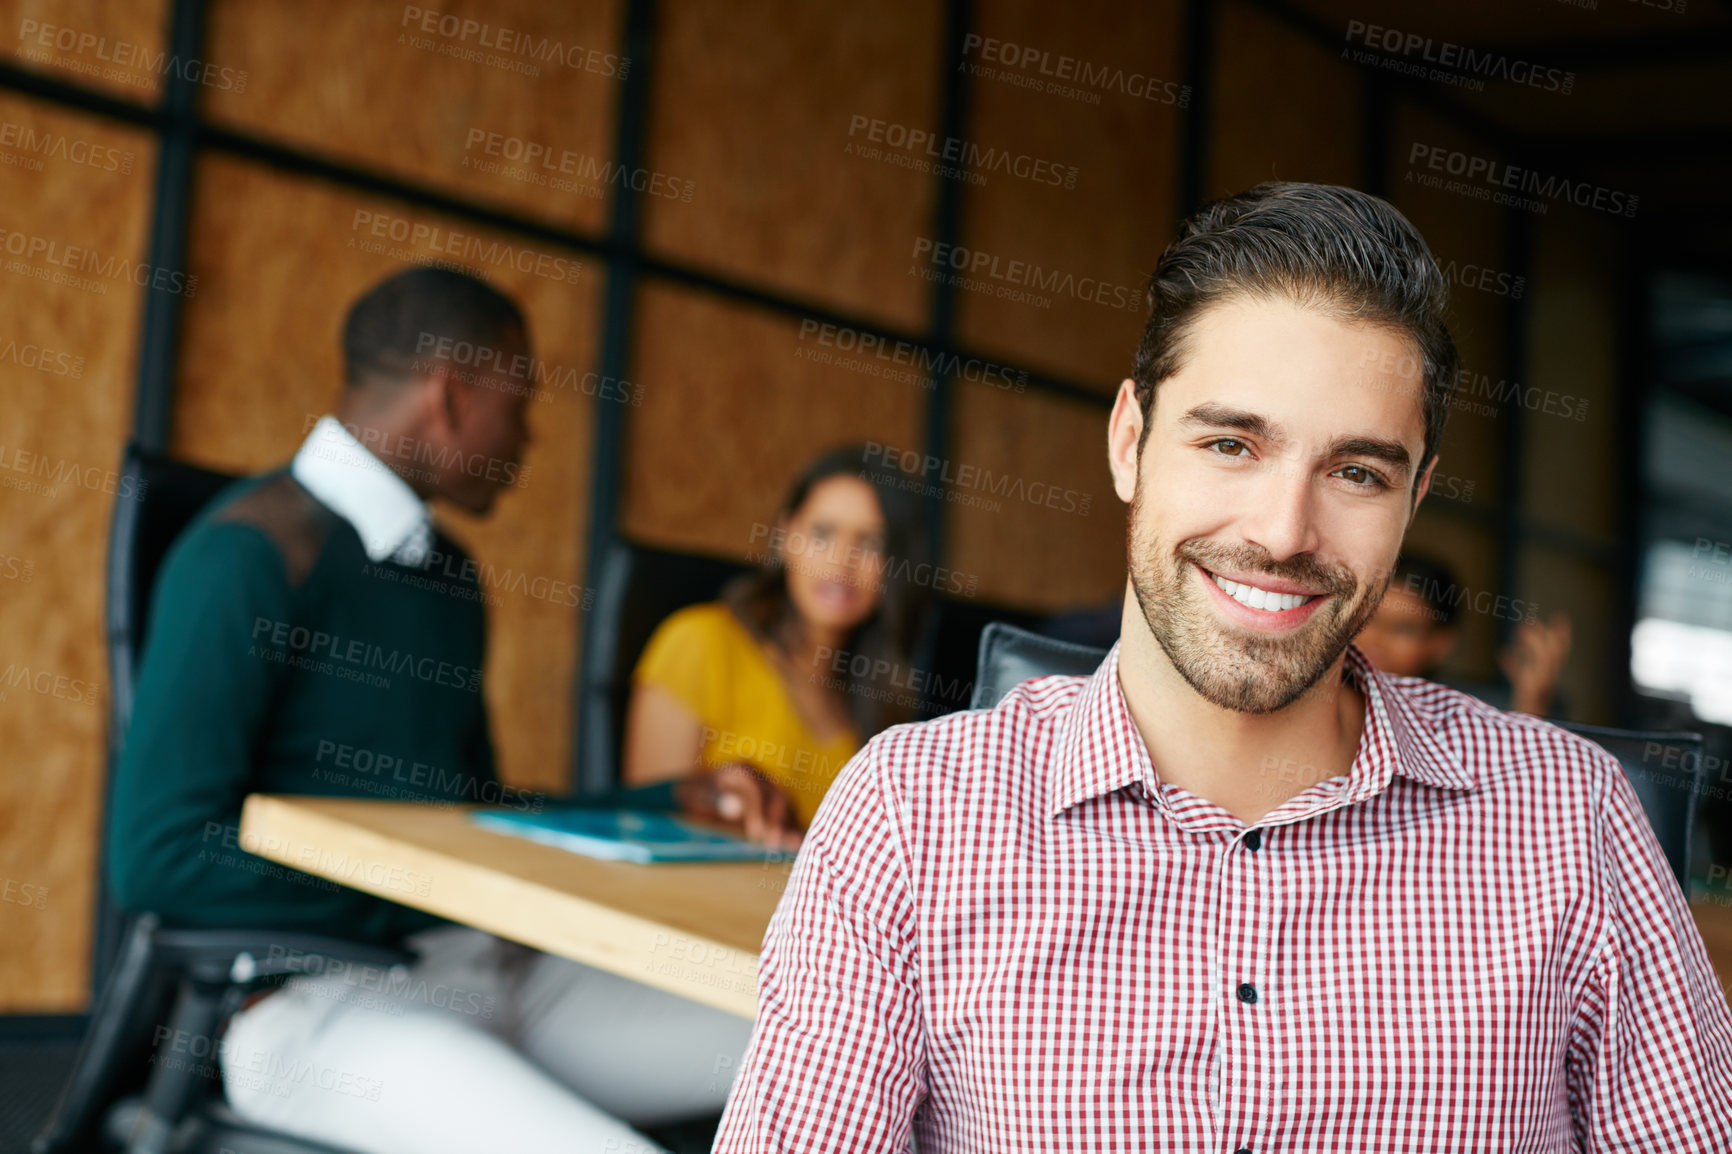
[155,499]
[1009,655]
[947,647]
[638,588]
[160,497]
[1664,767]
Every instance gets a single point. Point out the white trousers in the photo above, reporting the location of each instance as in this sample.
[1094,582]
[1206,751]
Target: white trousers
[488,1045]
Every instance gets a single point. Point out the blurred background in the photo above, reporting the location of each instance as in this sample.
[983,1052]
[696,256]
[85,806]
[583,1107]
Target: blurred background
[748,232]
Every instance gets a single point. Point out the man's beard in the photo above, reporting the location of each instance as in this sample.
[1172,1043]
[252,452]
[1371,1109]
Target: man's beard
[1228,665]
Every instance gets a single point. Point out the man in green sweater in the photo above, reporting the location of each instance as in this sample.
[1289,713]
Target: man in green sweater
[314,632]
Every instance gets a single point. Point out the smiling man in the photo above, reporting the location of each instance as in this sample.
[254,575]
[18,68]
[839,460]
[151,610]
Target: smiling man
[1239,891]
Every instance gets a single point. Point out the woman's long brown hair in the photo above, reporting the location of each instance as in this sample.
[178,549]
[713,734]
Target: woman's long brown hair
[760,600]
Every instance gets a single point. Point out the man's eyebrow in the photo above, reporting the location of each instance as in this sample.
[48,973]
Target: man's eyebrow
[1214,415]
[1391,453]
[1211,414]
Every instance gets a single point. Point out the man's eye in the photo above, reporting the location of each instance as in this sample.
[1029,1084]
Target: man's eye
[1360,475]
[1229,447]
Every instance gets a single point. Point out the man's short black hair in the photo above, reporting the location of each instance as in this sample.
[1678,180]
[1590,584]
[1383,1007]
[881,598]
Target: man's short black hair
[1343,252]
[1432,582]
[403,320]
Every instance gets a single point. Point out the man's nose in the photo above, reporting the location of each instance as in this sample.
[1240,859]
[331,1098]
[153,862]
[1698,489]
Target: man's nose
[1284,519]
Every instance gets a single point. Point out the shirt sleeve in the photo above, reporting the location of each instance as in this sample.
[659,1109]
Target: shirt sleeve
[1650,1065]
[200,702]
[687,657]
[837,1060]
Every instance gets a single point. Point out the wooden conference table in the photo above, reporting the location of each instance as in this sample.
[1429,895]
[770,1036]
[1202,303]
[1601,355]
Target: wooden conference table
[689,929]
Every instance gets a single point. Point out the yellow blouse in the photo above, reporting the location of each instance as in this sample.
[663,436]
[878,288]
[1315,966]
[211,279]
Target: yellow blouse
[706,659]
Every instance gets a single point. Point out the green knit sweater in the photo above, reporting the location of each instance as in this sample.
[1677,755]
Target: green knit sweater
[280,659]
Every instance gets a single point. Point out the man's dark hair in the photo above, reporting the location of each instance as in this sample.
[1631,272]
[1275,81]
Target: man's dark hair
[1432,582]
[1342,252]
[403,319]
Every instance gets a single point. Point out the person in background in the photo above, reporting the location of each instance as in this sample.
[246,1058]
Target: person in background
[314,631]
[1413,634]
[768,691]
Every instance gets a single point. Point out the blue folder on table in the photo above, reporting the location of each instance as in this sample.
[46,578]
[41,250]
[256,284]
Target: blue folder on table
[626,835]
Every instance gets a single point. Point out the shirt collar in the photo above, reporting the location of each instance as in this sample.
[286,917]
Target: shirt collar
[354,483]
[1098,748]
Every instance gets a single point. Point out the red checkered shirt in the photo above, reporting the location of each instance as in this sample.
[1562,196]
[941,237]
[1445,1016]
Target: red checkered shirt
[1005,933]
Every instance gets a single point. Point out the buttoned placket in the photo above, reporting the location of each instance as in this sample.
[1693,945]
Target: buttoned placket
[1249,1044]
[1248,1075]
[1253,1025]
[1257,1023]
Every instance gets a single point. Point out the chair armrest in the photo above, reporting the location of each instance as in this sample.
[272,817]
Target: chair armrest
[240,956]
[131,1005]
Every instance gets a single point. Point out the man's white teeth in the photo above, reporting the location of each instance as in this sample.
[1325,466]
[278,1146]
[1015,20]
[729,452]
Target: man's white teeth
[1260,598]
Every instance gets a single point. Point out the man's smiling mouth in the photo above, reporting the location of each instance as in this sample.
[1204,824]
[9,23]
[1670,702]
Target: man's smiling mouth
[1259,598]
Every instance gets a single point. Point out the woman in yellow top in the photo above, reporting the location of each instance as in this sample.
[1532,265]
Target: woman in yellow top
[759,698]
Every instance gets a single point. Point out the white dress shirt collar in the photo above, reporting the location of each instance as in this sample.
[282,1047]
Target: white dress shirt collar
[354,483]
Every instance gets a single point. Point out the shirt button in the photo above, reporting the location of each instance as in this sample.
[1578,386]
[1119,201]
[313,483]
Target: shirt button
[1254,840]
[1247,992]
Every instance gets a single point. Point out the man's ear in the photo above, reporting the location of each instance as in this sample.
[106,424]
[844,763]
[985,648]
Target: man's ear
[441,404]
[1124,432]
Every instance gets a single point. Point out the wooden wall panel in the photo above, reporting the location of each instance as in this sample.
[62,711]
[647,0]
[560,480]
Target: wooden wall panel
[511,102]
[279,262]
[1033,515]
[735,402]
[1285,107]
[1467,238]
[1571,471]
[1083,247]
[74,238]
[118,49]
[769,108]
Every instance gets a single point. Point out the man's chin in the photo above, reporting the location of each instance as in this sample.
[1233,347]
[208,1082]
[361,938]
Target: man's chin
[479,504]
[1251,674]
[1251,692]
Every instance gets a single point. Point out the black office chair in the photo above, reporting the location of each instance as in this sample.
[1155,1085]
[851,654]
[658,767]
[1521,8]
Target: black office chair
[123,1093]
[1664,767]
[950,640]
[1010,655]
[638,588]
